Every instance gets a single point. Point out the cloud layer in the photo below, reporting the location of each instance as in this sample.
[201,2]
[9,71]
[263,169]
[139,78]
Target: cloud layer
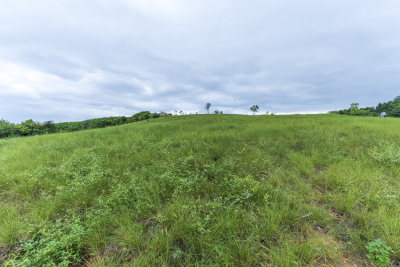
[72,60]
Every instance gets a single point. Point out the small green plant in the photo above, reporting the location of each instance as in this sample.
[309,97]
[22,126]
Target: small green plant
[379,252]
[244,191]
[386,154]
[57,244]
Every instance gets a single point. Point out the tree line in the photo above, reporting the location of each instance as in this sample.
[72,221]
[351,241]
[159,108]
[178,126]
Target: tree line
[392,109]
[30,127]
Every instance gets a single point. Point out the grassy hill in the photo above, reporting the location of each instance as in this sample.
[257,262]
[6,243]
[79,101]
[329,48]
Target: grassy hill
[205,190]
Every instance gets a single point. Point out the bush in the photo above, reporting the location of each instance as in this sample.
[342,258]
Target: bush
[379,252]
[59,244]
[386,154]
[245,191]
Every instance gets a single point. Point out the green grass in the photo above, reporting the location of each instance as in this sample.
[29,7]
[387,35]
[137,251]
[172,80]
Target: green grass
[301,190]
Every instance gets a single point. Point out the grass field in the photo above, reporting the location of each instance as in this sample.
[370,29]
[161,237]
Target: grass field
[299,190]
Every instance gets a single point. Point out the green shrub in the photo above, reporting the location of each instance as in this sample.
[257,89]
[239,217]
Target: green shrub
[386,154]
[58,244]
[379,252]
[244,191]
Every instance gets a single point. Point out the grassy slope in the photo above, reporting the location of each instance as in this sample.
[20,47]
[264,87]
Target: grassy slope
[216,189]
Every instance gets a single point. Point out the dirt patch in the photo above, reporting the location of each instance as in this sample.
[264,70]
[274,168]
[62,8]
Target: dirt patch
[318,170]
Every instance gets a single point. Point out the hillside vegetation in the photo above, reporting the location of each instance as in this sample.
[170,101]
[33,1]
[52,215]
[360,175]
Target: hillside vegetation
[391,108]
[30,127]
[301,190]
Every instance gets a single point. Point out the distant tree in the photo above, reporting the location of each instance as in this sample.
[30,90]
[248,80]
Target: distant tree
[395,111]
[49,127]
[6,129]
[354,108]
[207,107]
[218,111]
[254,108]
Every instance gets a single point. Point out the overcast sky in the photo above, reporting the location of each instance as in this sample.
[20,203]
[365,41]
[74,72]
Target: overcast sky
[66,60]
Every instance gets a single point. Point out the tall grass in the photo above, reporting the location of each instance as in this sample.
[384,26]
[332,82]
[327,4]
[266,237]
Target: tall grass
[203,190]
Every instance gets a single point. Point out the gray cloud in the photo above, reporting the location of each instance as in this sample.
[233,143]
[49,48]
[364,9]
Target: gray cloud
[72,60]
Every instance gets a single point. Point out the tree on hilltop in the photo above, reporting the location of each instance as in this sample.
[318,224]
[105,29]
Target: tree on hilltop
[254,108]
[207,107]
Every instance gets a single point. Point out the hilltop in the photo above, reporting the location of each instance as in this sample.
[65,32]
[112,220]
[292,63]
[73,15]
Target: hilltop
[205,190]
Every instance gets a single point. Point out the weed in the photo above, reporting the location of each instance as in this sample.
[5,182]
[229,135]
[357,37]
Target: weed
[379,252]
[56,244]
[386,153]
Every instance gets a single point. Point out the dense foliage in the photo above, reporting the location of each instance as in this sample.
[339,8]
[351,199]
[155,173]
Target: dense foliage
[205,190]
[29,127]
[392,109]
